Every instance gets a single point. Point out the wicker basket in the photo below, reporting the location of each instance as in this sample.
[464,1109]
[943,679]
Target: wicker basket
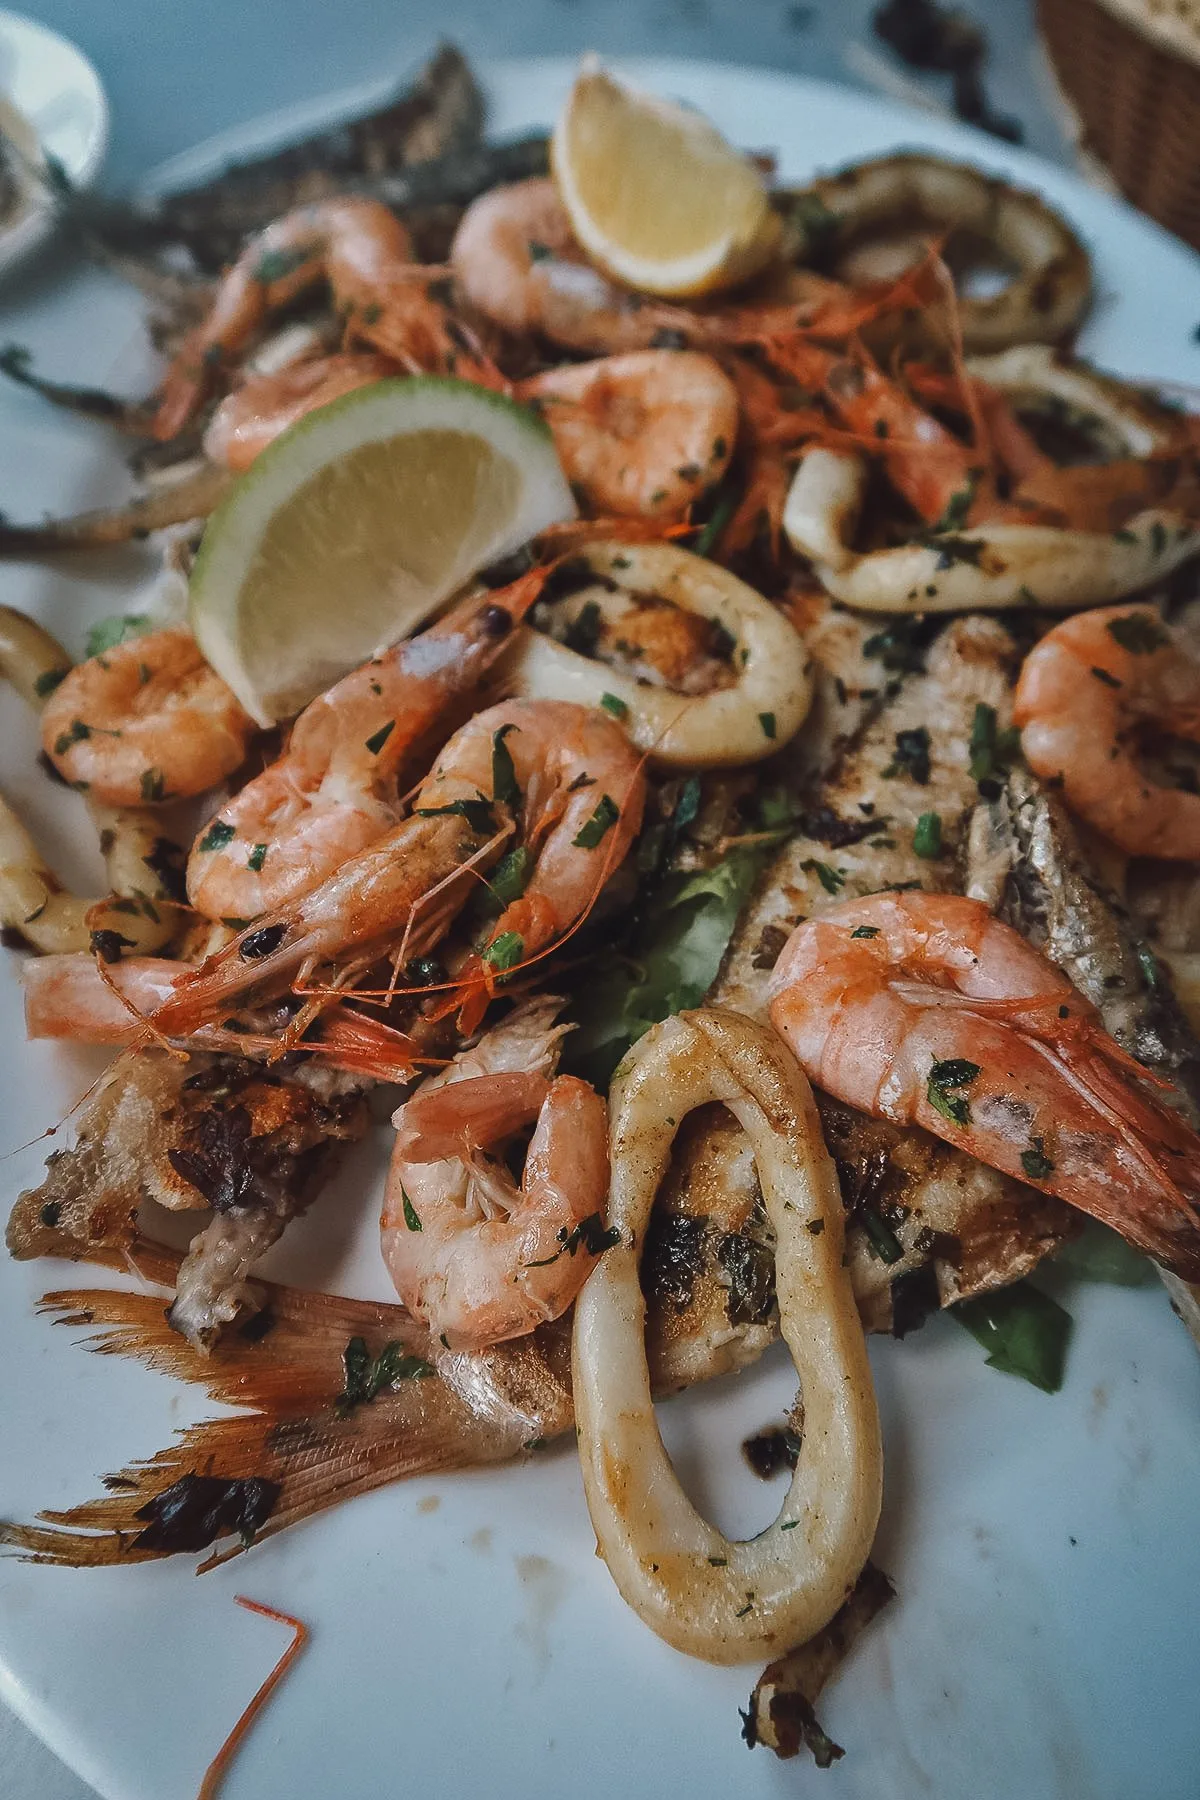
[1131,68]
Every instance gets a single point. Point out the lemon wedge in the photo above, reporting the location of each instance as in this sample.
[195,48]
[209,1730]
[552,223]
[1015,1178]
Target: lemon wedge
[356,524]
[656,196]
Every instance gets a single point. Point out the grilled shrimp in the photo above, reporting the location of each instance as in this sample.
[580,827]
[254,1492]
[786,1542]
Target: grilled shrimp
[365,254]
[518,263]
[642,434]
[333,791]
[474,1257]
[569,775]
[145,721]
[253,415]
[70,997]
[926,1010]
[577,787]
[1083,690]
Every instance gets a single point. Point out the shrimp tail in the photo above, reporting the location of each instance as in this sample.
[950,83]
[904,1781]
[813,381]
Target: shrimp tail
[317,1432]
[360,1045]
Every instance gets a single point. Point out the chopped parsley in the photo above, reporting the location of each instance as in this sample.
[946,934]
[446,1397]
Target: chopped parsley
[1137,632]
[75,733]
[154,785]
[366,1377]
[767,721]
[478,813]
[599,825]
[505,789]
[410,1212]
[47,681]
[506,951]
[927,837]
[510,877]
[901,648]
[1108,680]
[612,703]
[832,880]
[257,858]
[957,508]
[881,1239]
[992,751]
[379,738]
[1036,1164]
[944,1077]
[275,265]
[111,632]
[911,756]
[592,1233]
[721,514]
[865,931]
[217,836]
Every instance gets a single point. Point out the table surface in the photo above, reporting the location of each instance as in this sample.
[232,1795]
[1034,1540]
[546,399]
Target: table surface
[177,72]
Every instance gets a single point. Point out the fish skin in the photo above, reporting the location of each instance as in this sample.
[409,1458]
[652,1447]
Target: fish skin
[995,1229]
[1042,874]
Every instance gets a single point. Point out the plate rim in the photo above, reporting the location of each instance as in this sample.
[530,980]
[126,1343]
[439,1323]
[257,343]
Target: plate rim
[18,240]
[35,1712]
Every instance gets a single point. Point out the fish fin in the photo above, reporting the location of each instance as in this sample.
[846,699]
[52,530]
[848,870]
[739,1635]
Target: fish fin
[304,1444]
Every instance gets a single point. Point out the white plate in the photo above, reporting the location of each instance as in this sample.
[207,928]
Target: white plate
[465,1639]
[51,103]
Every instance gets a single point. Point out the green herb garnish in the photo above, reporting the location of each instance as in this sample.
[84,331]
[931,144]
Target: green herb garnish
[1036,1164]
[767,721]
[111,632]
[599,825]
[367,1377]
[1024,1332]
[154,785]
[257,858]
[832,880]
[217,836]
[1138,632]
[506,951]
[410,1212]
[505,790]
[865,931]
[478,814]
[944,1077]
[612,703]
[927,837]
[379,738]
[47,681]
[911,756]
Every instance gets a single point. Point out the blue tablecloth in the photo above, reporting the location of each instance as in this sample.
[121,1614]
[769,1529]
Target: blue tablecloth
[178,71]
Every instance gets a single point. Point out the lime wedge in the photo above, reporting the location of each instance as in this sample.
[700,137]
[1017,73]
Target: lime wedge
[356,524]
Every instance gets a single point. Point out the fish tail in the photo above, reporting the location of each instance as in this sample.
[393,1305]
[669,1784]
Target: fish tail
[339,1396]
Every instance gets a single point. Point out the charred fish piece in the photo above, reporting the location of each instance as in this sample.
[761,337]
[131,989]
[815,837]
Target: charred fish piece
[929,1225]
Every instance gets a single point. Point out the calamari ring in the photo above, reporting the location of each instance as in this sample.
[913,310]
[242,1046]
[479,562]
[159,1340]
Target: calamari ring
[1047,296]
[709,1597]
[137,855]
[721,729]
[1008,564]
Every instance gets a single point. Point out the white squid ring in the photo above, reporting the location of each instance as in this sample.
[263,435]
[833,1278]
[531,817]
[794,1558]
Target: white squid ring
[727,1601]
[1010,565]
[739,724]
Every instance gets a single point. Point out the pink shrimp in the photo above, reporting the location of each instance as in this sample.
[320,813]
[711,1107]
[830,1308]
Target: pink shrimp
[333,791]
[566,773]
[68,997]
[643,434]
[145,721]
[365,254]
[926,1010]
[253,415]
[473,1257]
[1083,691]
